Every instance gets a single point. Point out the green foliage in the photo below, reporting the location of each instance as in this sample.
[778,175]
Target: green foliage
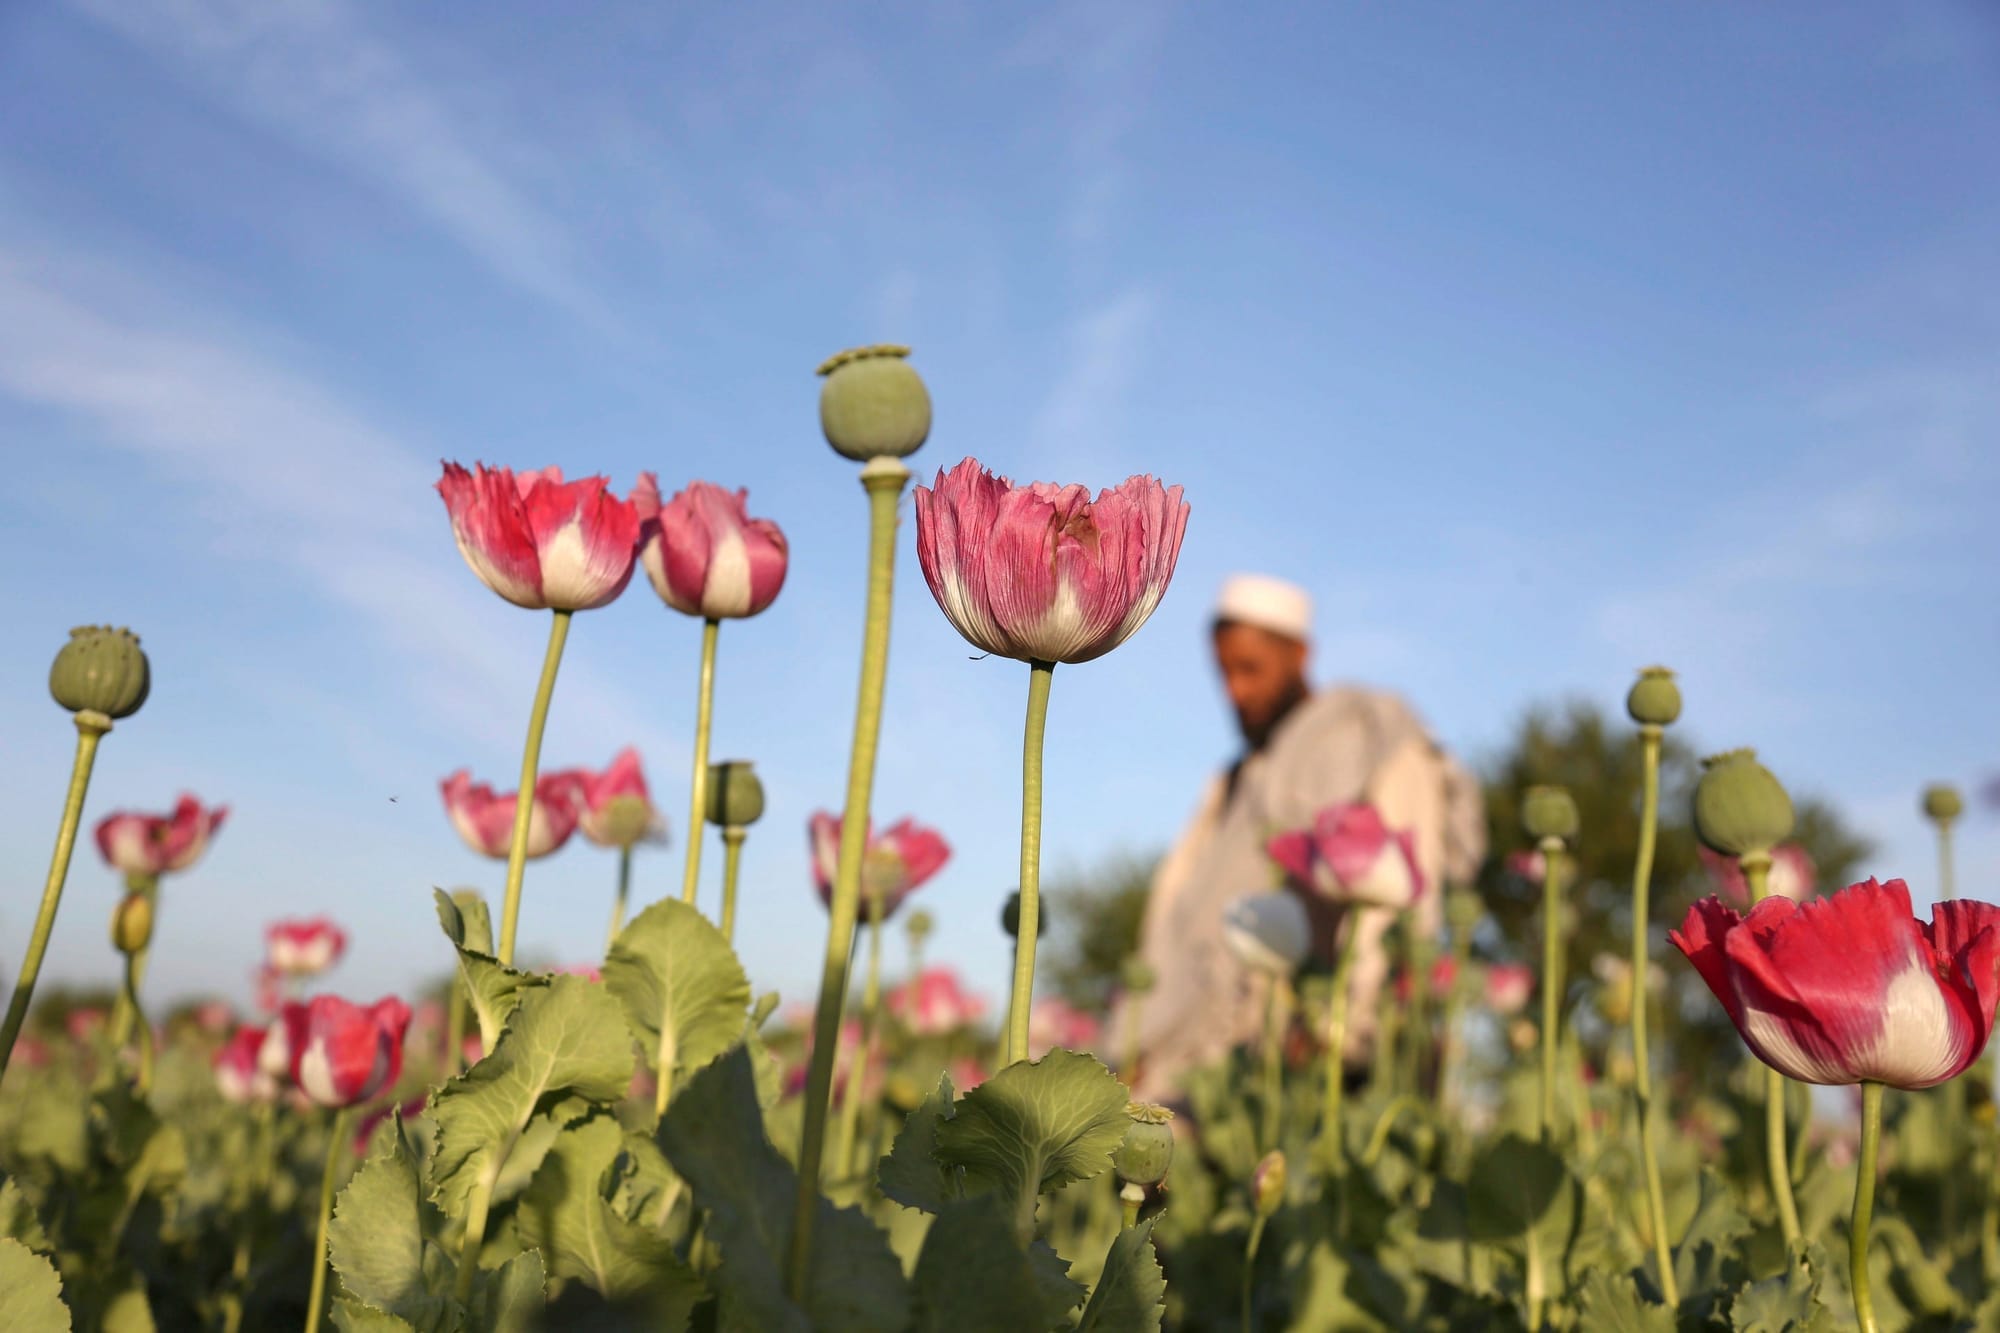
[1131,1292]
[974,1277]
[1034,1127]
[912,1173]
[492,987]
[682,989]
[385,1238]
[713,1134]
[30,1292]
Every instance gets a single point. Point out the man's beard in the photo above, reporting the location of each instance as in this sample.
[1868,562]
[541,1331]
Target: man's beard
[1256,735]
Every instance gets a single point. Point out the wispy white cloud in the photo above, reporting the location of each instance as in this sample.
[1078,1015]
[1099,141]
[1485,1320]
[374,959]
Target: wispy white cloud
[311,71]
[311,484]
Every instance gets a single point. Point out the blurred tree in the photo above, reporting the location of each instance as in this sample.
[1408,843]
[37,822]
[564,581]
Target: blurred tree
[1094,926]
[1599,761]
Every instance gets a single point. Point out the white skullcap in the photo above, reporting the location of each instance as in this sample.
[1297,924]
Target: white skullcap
[1268,603]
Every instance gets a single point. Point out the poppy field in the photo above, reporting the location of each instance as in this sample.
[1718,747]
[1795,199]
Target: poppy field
[654,1142]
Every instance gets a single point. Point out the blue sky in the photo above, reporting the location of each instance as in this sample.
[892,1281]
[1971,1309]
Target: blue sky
[1541,343]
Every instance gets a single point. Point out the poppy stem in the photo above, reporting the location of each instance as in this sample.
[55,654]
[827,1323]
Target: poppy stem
[704,716]
[1332,1147]
[1274,1081]
[1552,978]
[524,798]
[1040,675]
[857,1069]
[884,479]
[624,894]
[336,1141]
[90,728]
[1757,878]
[1864,1206]
[1642,1079]
[732,865]
[144,1029]
[1250,1267]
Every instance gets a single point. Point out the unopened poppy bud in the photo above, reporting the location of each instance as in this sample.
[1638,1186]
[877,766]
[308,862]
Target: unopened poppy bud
[873,403]
[132,923]
[1655,701]
[1267,1183]
[919,925]
[1548,812]
[1942,802]
[1740,807]
[735,795]
[1136,975]
[101,670]
[1010,918]
[1147,1151]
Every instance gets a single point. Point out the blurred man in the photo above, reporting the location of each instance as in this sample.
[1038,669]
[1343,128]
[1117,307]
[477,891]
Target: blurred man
[1303,751]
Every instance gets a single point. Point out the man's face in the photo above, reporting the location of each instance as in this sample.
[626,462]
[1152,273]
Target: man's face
[1264,673]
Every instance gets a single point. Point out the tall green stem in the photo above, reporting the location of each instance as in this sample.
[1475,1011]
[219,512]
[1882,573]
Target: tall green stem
[1250,1267]
[624,896]
[90,728]
[1040,674]
[1757,877]
[335,1146]
[125,1013]
[524,802]
[1864,1206]
[884,479]
[732,865]
[1947,874]
[1552,978]
[857,1068]
[478,1206]
[1274,1081]
[1332,1139]
[698,800]
[143,1028]
[1642,1077]
[1954,1091]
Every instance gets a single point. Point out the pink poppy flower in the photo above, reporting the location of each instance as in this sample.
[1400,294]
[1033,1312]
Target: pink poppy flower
[239,1077]
[339,1053]
[140,844]
[540,542]
[1853,988]
[935,1003]
[1350,855]
[1508,986]
[703,552]
[303,948]
[485,819]
[614,808]
[1044,573]
[897,863]
[1054,1022]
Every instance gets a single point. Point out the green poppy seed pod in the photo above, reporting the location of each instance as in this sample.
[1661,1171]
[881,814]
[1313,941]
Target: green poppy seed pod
[1010,918]
[1942,803]
[1135,974]
[1548,812]
[1147,1151]
[919,925]
[132,923]
[1655,701]
[101,670]
[873,403]
[1740,807]
[1267,1183]
[735,795]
